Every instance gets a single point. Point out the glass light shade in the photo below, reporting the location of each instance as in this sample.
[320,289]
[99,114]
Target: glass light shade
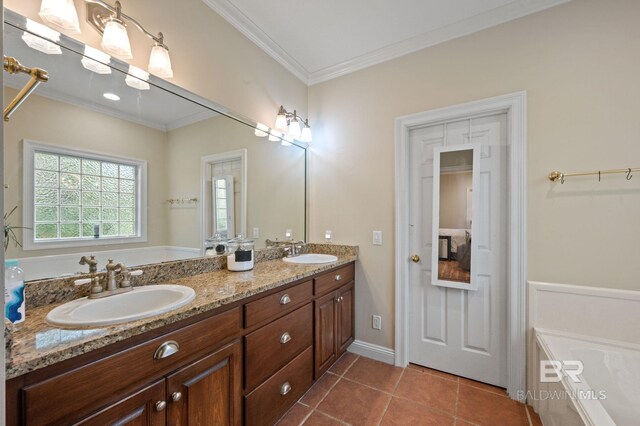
[61,13]
[262,130]
[115,39]
[306,134]
[286,140]
[41,38]
[137,78]
[96,60]
[160,62]
[274,135]
[281,123]
[294,129]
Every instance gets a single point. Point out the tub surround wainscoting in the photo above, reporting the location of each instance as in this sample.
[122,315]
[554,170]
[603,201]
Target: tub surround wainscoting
[230,341]
[598,328]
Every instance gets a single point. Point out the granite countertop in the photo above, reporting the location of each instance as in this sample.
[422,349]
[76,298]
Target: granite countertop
[36,344]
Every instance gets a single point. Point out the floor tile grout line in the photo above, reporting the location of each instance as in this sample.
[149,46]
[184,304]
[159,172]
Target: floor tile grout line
[332,417]
[384,413]
[528,415]
[455,408]
[328,392]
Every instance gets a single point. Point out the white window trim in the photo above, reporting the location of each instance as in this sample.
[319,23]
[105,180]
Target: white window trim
[28,236]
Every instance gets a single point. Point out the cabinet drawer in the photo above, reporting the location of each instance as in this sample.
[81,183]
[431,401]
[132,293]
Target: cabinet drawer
[273,306]
[74,394]
[271,399]
[274,345]
[334,279]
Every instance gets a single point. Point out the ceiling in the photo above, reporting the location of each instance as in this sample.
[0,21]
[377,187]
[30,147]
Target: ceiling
[321,40]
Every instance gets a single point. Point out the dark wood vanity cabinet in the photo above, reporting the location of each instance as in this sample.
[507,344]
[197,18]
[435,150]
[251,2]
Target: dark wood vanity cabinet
[245,365]
[334,332]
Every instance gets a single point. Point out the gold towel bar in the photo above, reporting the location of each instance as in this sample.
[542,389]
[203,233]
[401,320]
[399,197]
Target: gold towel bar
[38,75]
[556,176]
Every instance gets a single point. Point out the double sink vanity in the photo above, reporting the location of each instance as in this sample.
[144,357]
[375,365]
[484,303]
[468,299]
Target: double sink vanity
[242,351]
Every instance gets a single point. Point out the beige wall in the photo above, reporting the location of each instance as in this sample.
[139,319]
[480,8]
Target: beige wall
[59,123]
[275,180]
[579,64]
[209,56]
[453,199]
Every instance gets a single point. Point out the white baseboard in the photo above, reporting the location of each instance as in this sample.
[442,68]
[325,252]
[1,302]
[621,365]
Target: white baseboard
[379,353]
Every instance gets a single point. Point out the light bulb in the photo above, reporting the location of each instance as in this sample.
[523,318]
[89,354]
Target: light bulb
[115,39]
[294,128]
[306,134]
[262,130]
[37,37]
[96,60]
[137,78]
[160,62]
[281,123]
[61,13]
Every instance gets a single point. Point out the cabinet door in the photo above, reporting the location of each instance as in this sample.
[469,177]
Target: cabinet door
[144,408]
[345,314]
[209,391]
[325,333]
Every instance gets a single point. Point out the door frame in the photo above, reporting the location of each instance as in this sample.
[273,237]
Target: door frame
[514,105]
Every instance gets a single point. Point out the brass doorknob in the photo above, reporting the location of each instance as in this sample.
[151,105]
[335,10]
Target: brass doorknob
[415,258]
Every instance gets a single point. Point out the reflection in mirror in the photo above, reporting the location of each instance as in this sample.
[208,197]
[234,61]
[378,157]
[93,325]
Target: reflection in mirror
[76,149]
[455,177]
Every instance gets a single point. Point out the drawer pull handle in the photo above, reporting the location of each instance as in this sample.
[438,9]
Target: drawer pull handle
[338,277]
[285,337]
[176,396]
[166,349]
[161,405]
[285,299]
[285,389]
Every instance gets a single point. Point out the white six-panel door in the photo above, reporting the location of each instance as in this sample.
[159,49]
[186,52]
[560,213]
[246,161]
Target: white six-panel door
[459,331]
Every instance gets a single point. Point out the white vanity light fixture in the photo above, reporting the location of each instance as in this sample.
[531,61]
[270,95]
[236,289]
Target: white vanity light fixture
[61,13]
[111,22]
[96,60]
[262,130]
[38,37]
[137,78]
[292,125]
[111,96]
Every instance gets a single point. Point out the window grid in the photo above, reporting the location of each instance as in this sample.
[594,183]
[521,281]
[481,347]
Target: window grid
[72,194]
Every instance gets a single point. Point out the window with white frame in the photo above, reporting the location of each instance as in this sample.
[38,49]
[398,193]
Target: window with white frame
[75,198]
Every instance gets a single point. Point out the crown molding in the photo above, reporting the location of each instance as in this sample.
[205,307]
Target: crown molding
[462,28]
[242,23]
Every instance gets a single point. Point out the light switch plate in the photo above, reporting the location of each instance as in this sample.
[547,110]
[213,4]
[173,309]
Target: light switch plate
[256,232]
[377,238]
[328,234]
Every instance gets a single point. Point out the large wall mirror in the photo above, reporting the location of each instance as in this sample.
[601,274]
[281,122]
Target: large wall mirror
[455,211]
[106,161]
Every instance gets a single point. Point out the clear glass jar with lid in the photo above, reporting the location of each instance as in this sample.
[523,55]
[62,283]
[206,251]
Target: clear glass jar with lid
[240,254]
[216,245]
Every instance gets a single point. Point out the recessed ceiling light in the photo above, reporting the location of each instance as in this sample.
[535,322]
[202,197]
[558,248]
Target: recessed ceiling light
[111,96]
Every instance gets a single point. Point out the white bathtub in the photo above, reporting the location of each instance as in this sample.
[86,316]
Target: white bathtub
[41,267]
[608,393]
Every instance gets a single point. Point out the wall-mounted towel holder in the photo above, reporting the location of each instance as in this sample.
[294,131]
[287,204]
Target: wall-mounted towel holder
[556,176]
[38,75]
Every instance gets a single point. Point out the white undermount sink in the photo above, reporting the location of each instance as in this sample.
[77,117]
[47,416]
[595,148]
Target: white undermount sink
[141,302]
[311,258]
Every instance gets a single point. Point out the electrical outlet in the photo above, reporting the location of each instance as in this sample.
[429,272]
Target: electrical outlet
[377,322]
[377,238]
[256,232]
[327,235]
[288,234]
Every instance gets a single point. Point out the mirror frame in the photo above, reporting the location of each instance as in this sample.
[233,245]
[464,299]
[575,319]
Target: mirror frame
[475,184]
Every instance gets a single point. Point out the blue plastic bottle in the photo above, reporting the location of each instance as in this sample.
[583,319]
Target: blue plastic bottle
[14,309]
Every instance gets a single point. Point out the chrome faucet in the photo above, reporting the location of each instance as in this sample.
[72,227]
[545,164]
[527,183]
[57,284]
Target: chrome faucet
[294,249]
[91,261]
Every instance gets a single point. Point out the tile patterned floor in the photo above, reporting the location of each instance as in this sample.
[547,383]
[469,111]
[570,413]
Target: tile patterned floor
[361,391]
